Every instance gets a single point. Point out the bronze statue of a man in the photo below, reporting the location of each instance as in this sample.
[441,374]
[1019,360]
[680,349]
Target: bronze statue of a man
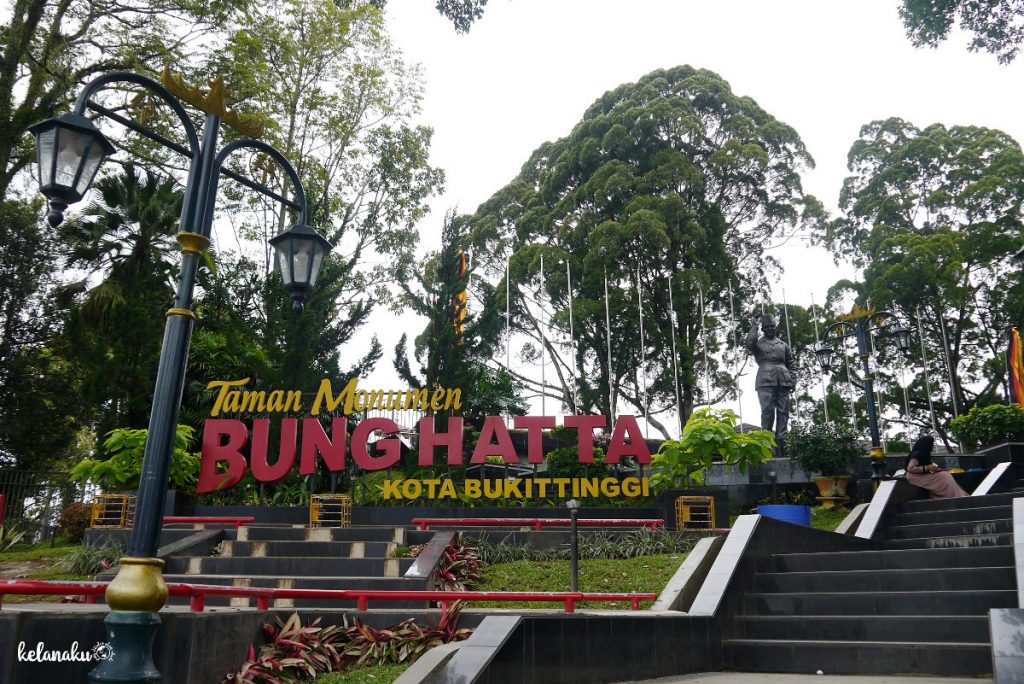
[774,382]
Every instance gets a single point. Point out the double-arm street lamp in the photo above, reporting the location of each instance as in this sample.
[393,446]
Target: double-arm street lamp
[70,150]
[864,324]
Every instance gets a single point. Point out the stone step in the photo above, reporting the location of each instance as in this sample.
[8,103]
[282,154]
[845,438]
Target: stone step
[951,579]
[959,503]
[289,566]
[966,541]
[311,549]
[954,515]
[879,603]
[367,533]
[950,529]
[857,657]
[960,557]
[907,628]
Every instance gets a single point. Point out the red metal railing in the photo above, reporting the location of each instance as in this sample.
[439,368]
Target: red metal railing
[197,594]
[538,523]
[238,521]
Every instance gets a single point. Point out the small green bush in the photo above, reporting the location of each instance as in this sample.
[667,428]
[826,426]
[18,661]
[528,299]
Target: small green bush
[73,522]
[984,425]
[826,448]
[91,560]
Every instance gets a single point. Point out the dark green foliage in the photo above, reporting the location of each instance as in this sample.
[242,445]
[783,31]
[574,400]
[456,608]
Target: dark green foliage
[564,462]
[933,217]
[592,545]
[450,358]
[674,175]
[824,448]
[996,26]
[986,425]
[74,521]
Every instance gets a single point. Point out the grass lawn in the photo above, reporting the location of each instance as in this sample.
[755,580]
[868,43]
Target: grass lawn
[823,519]
[36,562]
[385,674]
[645,574]
[26,552]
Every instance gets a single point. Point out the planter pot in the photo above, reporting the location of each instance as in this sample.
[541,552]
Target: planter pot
[795,515]
[832,485]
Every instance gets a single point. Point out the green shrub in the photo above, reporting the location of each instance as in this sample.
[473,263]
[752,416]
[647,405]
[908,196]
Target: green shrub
[123,468]
[826,448]
[984,425]
[709,435]
[91,560]
[73,522]
[591,545]
[565,462]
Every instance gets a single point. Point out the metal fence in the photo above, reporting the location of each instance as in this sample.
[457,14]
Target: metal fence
[34,500]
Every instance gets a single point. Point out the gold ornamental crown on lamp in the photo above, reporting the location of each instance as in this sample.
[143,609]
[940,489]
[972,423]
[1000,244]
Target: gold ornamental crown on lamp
[858,312]
[214,102]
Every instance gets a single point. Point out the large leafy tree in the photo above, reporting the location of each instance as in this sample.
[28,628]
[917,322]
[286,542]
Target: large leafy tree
[673,177]
[933,217]
[48,48]
[124,243]
[339,102]
[456,344]
[995,26]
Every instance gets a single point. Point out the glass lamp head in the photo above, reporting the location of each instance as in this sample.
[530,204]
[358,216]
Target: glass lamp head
[69,152]
[300,254]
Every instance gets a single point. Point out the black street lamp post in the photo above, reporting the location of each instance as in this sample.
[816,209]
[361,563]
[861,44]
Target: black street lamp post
[862,324]
[70,150]
[574,545]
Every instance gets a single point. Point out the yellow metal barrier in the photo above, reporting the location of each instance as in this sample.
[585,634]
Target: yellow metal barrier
[113,510]
[330,510]
[695,513]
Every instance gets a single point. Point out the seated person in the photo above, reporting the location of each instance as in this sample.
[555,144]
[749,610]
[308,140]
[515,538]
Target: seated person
[921,472]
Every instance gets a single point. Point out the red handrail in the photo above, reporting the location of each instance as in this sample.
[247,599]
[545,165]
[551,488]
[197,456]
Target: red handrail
[539,523]
[198,593]
[237,520]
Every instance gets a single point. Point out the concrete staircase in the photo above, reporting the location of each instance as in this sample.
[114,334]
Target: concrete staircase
[919,605]
[301,558]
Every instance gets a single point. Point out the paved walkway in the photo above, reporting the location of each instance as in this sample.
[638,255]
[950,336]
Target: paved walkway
[760,678]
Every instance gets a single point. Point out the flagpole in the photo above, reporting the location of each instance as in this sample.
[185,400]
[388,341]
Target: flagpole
[704,337]
[572,339]
[643,349]
[608,335]
[508,323]
[543,344]
[927,382]
[817,343]
[675,358]
[736,342]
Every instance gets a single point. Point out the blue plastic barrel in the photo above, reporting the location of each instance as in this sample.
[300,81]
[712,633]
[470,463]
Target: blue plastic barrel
[791,513]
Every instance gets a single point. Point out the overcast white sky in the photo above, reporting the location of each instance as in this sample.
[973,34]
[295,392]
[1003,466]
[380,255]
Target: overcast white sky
[528,69]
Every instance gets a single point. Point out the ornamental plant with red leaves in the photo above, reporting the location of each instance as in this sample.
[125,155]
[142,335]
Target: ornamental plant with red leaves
[294,653]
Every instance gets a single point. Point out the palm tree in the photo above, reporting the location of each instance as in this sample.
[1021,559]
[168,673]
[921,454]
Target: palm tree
[123,242]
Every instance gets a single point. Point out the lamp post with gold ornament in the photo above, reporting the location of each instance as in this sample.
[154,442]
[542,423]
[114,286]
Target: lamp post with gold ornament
[864,325]
[70,150]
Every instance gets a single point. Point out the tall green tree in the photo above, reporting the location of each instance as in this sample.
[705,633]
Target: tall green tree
[933,217]
[995,26]
[41,407]
[124,242]
[674,176]
[49,48]
[456,344]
